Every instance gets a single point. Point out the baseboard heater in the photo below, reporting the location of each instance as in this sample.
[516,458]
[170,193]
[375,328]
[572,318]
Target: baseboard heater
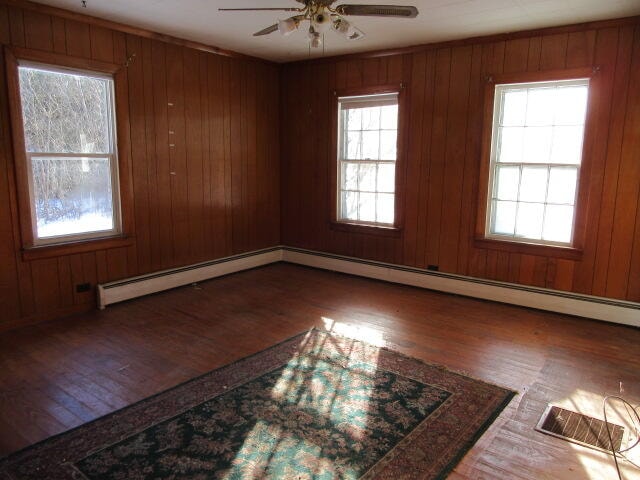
[129,288]
[599,308]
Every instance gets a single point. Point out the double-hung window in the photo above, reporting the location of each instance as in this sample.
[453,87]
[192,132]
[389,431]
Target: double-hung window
[367,154]
[536,153]
[71,166]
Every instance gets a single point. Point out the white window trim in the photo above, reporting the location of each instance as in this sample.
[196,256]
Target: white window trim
[370,100]
[112,155]
[497,113]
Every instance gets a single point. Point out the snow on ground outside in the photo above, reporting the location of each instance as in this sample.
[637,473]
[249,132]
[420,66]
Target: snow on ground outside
[89,222]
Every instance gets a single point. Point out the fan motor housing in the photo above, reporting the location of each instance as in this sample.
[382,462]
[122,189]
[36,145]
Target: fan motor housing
[319,3]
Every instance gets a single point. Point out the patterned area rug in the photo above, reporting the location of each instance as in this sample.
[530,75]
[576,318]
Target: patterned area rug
[316,406]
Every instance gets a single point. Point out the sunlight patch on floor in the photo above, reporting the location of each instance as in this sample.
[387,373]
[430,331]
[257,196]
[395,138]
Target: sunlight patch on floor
[597,464]
[360,332]
[339,397]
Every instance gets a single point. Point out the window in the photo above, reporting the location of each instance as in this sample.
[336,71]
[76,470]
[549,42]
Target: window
[71,166]
[536,153]
[367,154]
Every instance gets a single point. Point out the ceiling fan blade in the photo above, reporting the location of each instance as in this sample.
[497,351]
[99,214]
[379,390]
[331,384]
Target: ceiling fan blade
[283,9]
[267,31]
[378,10]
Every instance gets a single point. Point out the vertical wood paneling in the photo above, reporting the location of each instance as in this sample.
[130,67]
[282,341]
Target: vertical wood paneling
[454,157]
[606,49]
[190,187]
[445,110]
[609,185]
[37,31]
[628,185]
[78,38]
[5,32]
[437,154]
[16,26]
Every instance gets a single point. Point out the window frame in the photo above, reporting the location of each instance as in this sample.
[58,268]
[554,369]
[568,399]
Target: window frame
[32,248]
[336,223]
[483,237]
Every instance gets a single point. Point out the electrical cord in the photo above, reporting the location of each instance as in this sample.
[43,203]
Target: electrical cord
[629,408]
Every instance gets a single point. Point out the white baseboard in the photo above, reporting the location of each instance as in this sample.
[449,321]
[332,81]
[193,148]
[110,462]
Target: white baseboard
[615,311]
[129,288]
[599,308]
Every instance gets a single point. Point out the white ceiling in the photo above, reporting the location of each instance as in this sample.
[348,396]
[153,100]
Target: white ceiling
[439,20]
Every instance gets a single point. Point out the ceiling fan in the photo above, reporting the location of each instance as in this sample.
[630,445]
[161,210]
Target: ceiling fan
[322,17]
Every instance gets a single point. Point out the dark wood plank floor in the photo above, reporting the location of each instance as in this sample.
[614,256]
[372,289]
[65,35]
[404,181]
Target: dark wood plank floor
[61,374]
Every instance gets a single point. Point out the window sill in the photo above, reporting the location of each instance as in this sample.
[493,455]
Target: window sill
[69,248]
[569,253]
[366,229]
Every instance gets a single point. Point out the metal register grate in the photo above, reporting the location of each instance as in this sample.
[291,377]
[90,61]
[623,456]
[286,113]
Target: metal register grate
[581,429]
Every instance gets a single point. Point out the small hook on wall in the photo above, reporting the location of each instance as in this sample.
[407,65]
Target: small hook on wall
[129,60]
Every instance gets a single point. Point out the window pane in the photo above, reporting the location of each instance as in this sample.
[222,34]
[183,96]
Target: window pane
[388,140]
[504,217]
[541,106]
[369,133]
[571,105]
[537,144]
[562,185]
[385,208]
[370,145]
[349,176]
[353,119]
[558,222]
[510,144]
[514,107]
[367,177]
[508,180]
[64,113]
[367,206]
[386,178]
[370,118]
[529,221]
[389,117]
[354,146]
[533,186]
[567,145]
[349,205]
[72,195]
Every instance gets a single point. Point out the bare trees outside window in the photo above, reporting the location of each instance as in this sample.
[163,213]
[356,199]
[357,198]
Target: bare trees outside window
[68,120]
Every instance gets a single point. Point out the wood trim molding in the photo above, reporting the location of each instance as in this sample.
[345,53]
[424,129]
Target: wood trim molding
[51,251]
[403,118]
[568,253]
[498,37]
[121,27]
[574,252]
[366,229]
[543,75]
[80,63]
[19,149]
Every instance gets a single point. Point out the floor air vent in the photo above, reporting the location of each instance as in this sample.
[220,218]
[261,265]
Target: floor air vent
[581,429]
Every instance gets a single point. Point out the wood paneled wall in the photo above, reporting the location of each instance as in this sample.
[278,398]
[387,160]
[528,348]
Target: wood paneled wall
[445,87]
[204,146]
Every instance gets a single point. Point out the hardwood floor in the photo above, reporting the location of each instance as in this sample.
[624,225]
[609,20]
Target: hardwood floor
[58,375]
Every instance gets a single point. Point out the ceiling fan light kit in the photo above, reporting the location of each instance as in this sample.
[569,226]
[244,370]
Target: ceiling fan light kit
[323,17]
[288,25]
